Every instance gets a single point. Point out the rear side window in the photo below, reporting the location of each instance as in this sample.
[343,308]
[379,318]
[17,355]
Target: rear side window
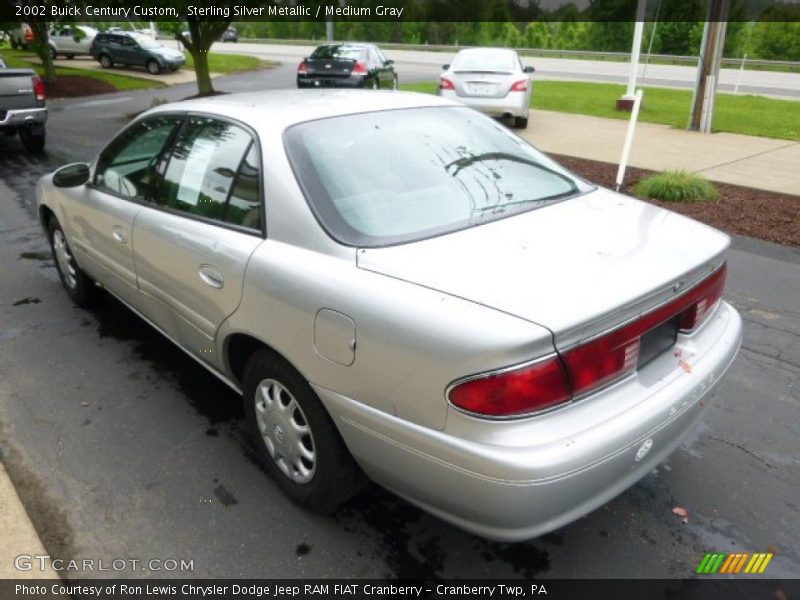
[213,172]
[126,166]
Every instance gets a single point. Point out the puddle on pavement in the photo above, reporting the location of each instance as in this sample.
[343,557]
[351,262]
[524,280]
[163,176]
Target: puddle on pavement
[206,394]
[34,256]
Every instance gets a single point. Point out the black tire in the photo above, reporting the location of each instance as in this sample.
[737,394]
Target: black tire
[153,67]
[520,122]
[105,61]
[335,477]
[79,287]
[33,138]
[53,53]
[70,56]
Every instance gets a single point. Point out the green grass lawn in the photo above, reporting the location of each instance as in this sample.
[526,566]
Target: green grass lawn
[24,59]
[229,63]
[749,115]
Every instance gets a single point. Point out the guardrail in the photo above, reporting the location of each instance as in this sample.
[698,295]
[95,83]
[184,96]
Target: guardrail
[749,63]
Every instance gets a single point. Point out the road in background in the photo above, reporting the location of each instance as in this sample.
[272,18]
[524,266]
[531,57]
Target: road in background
[121,446]
[417,65]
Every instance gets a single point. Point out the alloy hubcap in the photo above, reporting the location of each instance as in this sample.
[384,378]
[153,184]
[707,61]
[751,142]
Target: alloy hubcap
[285,431]
[66,265]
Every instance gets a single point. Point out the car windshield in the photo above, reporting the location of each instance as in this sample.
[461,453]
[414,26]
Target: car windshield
[339,51]
[388,177]
[502,62]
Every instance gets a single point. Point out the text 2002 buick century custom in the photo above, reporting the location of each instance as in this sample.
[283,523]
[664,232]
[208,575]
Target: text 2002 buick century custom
[399,286]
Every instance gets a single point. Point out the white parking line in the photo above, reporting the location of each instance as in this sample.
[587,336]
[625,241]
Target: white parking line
[101,102]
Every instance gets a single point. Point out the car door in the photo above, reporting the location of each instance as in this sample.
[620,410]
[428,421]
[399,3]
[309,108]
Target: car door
[128,51]
[102,213]
[192,247]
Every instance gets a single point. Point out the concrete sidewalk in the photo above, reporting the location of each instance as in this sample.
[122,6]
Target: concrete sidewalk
[17,536]
[749,161]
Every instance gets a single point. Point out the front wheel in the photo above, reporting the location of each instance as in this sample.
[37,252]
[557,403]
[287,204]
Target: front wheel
[296,438]
[105,61]
[153,67]
[77,284]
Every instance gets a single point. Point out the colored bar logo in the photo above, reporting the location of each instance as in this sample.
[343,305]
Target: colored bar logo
[743,562]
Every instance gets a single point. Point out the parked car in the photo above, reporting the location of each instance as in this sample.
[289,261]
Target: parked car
[71,40]
[22,106]
[21,36]
[491,80]
[347,65]
[397,285]
[230,35]
[135,50]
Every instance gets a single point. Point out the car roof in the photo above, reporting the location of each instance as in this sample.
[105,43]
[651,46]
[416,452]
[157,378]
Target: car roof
[284,108]
[486,51]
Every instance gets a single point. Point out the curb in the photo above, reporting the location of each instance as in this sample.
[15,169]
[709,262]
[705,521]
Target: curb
[18,535]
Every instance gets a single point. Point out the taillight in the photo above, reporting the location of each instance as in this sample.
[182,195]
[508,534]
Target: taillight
[614,354]
[609,357]
[446,84]
[360,68]
[515,392]
[38,88]
[302,68]
[28,34]
[520,86]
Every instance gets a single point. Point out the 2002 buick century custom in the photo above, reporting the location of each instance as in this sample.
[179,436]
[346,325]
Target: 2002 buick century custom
[400,287]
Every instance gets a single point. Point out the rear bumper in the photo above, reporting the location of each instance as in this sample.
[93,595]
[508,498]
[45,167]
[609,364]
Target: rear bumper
[514,103]
[514,480]
[21,117]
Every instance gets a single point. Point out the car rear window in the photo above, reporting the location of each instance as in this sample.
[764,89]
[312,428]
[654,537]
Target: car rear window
[339,51]
[389,177]
[492,62]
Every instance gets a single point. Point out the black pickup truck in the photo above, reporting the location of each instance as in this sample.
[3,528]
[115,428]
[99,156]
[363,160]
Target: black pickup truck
[22,106]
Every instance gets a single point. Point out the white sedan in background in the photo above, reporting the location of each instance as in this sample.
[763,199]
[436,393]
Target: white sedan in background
[490,80]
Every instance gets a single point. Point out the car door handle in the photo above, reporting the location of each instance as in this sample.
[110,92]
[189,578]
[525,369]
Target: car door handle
[211,276]
[119,234]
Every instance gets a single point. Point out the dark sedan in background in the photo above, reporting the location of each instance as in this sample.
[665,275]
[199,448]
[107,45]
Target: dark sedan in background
[347,65]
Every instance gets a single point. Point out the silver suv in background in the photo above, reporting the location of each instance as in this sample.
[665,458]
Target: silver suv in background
[71,40]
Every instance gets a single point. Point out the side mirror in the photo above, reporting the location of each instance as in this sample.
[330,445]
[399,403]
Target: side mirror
[388,62]
[445,67]
[71,175]
[528,70]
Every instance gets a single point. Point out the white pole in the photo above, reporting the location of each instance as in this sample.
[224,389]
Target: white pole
[638,31]
[626,148]
[739,78]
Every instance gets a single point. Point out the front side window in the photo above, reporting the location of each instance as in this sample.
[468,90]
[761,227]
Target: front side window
[396,176]
[126,166]
[213,173]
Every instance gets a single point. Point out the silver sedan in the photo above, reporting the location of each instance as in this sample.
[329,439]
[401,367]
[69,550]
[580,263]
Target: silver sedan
[490,80]
[400,287]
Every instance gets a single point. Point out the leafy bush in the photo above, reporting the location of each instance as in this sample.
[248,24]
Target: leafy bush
[676,186]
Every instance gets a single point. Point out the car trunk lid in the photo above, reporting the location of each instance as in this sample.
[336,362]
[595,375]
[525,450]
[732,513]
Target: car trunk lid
[484,84]
[578,267]
[329,67]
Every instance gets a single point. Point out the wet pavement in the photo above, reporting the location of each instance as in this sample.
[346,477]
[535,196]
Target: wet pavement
[122,447]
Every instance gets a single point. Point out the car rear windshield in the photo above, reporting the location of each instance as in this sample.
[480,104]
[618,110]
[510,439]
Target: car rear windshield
[338,51]
[389,177]
[479,61]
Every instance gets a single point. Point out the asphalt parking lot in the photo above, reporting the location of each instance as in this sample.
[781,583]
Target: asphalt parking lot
[121,447]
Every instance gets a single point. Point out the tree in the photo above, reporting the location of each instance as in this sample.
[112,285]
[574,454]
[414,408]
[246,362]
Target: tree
[202,34]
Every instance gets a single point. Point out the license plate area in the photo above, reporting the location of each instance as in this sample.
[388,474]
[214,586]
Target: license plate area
[658,340]
[481,89]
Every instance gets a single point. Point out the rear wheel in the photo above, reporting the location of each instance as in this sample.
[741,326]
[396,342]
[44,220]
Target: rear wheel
[296,438]
[153,67]
[70,56]
[520,122]
[33,138]
[105,61]
[77,284]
